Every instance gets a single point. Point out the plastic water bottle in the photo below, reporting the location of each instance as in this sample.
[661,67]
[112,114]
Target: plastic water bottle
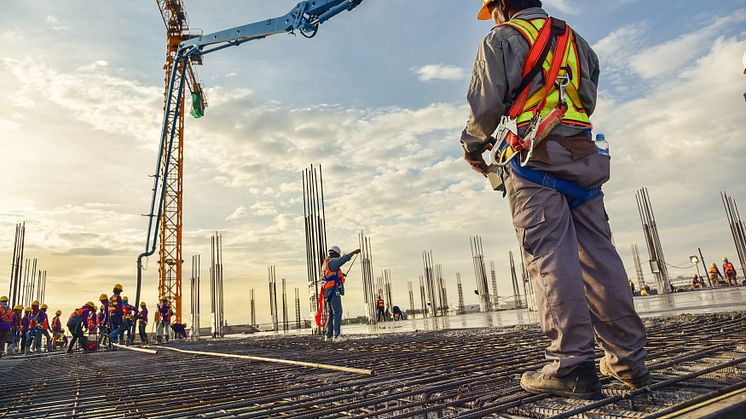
[602,146]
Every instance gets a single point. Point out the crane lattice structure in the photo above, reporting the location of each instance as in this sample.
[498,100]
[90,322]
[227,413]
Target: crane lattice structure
[185,49]
[170,259]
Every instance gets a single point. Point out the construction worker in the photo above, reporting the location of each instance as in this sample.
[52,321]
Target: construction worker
[163,320]
[179,330]
[35,326]
[16,329]
[142,318]
[398,314]
[562,227]
[128,320]
[716,278]
[333,289]
[696,283]
[116,314]
[6,323]
[380,310]
[56,328]
[102,323]
[43,328]
[77,322]
[25,330]
[730,273]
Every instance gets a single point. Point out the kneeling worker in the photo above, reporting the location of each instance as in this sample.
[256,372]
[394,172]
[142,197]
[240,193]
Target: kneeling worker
[334,279]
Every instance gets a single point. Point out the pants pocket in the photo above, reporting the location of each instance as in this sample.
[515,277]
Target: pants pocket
[528,224]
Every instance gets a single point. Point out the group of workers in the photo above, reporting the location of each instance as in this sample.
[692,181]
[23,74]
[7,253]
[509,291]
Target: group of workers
[717,279]
[115,321]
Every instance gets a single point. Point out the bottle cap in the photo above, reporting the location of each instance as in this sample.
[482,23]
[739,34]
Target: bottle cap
[600,137]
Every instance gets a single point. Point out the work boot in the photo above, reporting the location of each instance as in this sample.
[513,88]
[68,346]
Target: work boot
[340,339]
[632,383]
[581,383]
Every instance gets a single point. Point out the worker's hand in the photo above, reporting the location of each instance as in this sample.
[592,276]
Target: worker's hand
[476,161]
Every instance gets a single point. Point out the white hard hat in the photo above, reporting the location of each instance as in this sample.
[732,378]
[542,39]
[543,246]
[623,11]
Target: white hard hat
[336,250]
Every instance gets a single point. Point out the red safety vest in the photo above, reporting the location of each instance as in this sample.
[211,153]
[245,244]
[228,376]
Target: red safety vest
[56,323]
[728,267]
[380,304]
[6,315]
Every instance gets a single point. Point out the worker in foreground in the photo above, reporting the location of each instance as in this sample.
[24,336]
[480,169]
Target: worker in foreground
[333,289]
[163,320]
[522,93]
[116,314]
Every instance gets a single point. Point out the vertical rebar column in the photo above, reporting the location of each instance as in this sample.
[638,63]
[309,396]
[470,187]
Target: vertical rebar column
[442,292]
[423,298]
[736,228]
[387,289]
[315,229]
[273,298]
[514,277]
[431,286]
[528,288]
[196,269]
[495,295]
[297,309]
[366,272]
[285,319]
[411,298]
[213,308]
[480,274]
[44,286]
[217,307]
[16,268]
[25,294]
[460,287]
[253,308]
[655,249]
[638,267]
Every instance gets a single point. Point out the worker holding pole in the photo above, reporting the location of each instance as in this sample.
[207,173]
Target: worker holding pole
[333,290]
[524,94]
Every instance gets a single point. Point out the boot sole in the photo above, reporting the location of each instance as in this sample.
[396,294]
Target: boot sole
[596,395]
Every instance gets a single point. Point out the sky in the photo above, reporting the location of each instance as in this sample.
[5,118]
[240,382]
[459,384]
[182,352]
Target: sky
[377,99]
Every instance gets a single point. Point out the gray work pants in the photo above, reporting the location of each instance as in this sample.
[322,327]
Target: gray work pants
[578,277]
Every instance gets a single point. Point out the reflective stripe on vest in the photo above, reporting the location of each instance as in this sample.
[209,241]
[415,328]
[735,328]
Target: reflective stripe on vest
[575,113]
[332,278]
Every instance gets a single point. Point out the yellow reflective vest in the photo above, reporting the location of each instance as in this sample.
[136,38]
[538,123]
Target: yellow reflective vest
[575,115]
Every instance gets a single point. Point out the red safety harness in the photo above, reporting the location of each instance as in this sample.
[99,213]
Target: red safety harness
[332,279]
[539,127]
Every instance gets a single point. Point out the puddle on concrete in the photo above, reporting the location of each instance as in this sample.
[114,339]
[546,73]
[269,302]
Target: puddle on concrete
[702,301]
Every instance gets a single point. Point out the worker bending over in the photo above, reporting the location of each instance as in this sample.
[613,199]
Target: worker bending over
[77,322]
[333,289]
[563,232]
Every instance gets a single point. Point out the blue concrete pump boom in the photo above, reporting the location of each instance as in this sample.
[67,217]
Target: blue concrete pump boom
[305,17]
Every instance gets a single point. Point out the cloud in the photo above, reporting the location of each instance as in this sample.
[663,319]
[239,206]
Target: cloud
[54,23]
[92,94]
[674,55]
[439,72]
[240,213]
[563,6]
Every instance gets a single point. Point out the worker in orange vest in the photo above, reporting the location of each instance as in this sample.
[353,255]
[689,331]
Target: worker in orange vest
[333,290]
[6,322]
[713,273]
[77,322]
[730,273]
[380,310]
[56,327]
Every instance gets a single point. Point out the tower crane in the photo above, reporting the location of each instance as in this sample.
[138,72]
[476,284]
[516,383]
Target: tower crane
[164,217]
[170,259]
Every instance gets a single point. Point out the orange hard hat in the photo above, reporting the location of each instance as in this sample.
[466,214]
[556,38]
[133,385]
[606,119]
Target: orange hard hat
[484,12]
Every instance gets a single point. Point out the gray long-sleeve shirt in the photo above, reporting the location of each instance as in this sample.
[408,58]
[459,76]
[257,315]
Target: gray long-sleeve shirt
[336,263]
[497,74]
